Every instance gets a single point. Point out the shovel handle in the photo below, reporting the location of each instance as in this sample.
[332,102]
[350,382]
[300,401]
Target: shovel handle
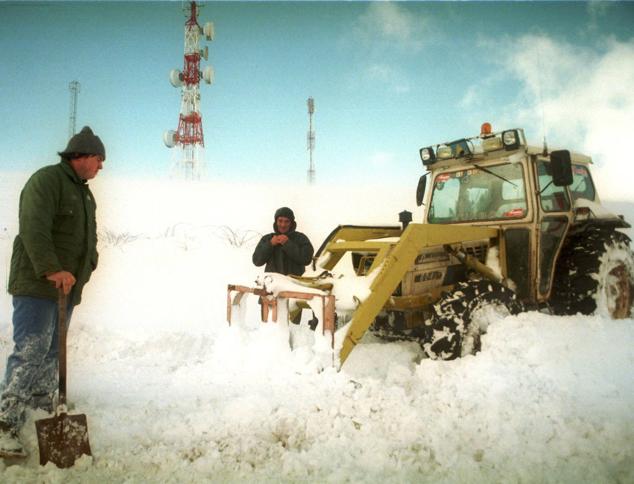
[62,304]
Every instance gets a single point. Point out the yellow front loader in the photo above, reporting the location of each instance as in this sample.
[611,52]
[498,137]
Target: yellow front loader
[392,262]
[507,226]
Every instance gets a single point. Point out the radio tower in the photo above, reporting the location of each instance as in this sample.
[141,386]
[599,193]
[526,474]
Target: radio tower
[311,141]
[74,88]
[189,135]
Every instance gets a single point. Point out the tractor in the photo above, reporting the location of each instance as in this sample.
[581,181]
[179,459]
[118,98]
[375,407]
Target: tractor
[507,227]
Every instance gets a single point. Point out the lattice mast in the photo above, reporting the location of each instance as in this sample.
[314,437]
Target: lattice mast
[311,141]
[188,138]
[74,87]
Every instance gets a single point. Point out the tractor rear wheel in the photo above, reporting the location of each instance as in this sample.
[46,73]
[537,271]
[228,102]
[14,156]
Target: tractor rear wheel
[595,274]
[459,318]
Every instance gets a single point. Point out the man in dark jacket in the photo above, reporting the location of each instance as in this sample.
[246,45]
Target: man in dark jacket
[285,250]
[56,248]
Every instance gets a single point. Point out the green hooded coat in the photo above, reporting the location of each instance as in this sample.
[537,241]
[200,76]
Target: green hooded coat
[58,231]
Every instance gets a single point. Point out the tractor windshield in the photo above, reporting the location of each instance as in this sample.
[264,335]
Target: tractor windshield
[494,193]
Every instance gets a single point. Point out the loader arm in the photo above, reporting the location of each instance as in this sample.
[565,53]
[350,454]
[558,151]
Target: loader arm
[348,237]
[395,259]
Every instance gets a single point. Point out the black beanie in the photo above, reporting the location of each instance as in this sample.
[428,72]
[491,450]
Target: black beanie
[84,143]
[285,212]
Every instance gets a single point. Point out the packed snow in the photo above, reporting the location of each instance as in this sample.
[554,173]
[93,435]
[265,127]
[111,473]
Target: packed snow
[174,394]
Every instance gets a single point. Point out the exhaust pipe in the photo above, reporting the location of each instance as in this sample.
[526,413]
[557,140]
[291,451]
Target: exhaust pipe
[405,218]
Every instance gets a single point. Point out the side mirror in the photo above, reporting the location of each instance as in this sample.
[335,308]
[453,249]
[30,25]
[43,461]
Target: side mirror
[420,189]
[561,168]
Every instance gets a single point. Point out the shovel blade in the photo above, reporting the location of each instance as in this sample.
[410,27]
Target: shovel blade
[62,439]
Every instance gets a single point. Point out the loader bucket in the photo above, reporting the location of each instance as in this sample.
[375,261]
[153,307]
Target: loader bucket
[270,303]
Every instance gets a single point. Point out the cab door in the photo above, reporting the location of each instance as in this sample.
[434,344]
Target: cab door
[554,218]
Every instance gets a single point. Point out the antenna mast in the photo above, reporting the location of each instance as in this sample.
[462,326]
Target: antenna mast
[311,141]
[189,134]
[74,88]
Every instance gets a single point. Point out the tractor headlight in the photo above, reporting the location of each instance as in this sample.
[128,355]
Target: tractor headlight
[427,155]
[511,139]
[445,152]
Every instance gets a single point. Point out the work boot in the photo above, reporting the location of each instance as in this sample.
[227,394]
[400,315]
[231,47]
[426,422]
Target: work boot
[10,445]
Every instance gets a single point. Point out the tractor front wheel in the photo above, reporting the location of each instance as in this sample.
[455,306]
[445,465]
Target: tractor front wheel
[460,317]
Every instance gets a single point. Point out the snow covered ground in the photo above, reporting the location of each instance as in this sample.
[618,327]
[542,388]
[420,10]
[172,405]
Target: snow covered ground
[173,394]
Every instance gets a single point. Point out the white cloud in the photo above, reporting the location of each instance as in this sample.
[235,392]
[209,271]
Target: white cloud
[584,96]
[389,23]
[381,36]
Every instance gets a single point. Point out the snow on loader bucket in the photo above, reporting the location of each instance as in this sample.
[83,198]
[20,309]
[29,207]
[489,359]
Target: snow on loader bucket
[386,254]
[272,295]
[62,439]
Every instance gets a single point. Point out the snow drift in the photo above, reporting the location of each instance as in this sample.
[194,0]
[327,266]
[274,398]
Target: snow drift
[173,394]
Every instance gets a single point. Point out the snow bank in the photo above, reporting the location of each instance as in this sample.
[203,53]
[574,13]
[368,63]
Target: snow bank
[173,394]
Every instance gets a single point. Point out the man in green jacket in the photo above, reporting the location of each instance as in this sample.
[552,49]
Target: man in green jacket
[56,248]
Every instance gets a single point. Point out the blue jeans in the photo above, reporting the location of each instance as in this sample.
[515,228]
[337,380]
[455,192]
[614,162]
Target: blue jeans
[31,376]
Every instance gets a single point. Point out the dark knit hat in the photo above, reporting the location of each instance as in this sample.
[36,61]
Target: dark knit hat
[285,212]
[84,143]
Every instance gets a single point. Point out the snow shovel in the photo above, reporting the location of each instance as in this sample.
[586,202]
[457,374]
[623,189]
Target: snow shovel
[62,439]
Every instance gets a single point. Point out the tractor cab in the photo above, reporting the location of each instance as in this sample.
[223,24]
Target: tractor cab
[497,180]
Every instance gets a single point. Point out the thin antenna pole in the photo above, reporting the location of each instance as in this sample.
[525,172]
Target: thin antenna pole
[541,104]
[74,88]
[541,100]
[311,141]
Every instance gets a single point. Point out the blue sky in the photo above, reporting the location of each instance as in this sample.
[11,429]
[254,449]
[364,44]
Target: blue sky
[387,78]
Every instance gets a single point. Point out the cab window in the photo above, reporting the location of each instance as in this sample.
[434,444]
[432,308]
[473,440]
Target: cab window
[582,185]
[552,198]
